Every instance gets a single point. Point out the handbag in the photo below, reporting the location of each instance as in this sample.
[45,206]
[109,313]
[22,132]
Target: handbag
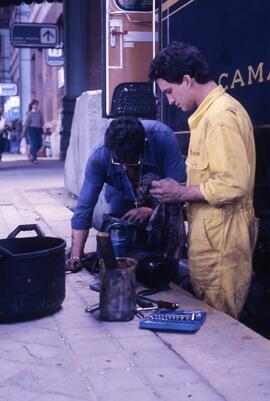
[23,146]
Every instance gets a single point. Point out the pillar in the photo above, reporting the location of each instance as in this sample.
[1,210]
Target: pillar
[75,63]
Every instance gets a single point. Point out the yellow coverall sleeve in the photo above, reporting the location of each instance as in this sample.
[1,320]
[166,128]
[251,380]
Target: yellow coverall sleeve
[228,163]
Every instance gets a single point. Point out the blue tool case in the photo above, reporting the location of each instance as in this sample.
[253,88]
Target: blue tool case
[184,321]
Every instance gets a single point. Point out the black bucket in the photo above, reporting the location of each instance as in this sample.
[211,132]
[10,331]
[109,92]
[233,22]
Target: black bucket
[32,275]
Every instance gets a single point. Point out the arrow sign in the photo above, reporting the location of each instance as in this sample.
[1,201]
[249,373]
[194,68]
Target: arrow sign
[34,35]
[48,35]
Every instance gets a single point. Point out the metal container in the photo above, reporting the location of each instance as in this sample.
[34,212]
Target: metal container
[120,239]
[127,236]
[118,291]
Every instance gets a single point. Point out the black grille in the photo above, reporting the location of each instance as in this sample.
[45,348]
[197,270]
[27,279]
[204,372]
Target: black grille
[134,99]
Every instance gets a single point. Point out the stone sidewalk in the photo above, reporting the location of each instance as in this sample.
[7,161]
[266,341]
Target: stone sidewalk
[73,356]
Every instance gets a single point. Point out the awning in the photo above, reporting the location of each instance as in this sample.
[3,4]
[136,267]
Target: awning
[7,3]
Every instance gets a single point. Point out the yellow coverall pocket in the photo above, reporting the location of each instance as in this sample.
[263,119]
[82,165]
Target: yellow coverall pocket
[213,228]
[206,234]
[197,168]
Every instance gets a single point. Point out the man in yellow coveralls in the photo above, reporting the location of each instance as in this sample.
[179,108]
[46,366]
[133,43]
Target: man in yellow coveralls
[220,178]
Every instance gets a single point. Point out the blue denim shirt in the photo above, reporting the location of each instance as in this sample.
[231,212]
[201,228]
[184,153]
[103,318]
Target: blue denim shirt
[162,156]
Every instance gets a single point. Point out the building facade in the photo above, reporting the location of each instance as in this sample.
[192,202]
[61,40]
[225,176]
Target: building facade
[56,85]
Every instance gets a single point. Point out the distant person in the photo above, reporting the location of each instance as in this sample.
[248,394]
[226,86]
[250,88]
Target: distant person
[15,136]
[131,148]
[2,134]
[33,129]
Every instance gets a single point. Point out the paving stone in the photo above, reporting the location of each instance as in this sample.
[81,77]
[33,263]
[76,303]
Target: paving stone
[7,370]
[132,395]
[31,334]
[87,349]
[12,217]
[43,322]
[127,329]
[46,322]
[4,228]
[11,393]
[106,361]
[53,213]
[49,396]
[72,385]
[66,321]
[116,380]
[38,377]
[189,392]
[96,334]
[132,344]
[61,228]
[155,357]
[40,198]
[30,353]
[171,375]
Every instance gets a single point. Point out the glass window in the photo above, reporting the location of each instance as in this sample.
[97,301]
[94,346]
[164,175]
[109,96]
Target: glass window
[135,5]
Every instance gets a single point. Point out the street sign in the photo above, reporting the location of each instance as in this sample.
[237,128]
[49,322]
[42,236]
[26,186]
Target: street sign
[34,35]
[8,89]
[54,57]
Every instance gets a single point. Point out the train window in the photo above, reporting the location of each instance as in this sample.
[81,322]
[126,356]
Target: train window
[135,5]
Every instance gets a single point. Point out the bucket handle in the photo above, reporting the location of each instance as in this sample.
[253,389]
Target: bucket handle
[27,227]
[4,252]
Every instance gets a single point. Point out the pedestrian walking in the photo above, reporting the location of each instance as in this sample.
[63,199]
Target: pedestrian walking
[15,136]
[2,134]
[33,129]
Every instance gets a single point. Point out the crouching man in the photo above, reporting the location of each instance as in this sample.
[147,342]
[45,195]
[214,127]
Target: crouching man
[131,149]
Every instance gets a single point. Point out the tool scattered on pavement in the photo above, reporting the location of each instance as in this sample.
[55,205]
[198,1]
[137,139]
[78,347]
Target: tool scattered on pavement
[184,321]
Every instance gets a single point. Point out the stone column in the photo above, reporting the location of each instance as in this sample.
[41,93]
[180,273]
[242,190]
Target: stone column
[25,68]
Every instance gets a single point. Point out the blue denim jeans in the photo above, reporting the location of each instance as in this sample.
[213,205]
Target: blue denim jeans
[35,141]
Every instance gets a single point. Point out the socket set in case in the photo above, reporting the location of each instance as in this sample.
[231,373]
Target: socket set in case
[185,321]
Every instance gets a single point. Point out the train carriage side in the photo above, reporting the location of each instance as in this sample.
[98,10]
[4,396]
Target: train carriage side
[235,37]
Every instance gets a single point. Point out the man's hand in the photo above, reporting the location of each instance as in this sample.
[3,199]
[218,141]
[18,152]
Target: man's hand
[168,190]
[139,214]
[79,238]
[73,264]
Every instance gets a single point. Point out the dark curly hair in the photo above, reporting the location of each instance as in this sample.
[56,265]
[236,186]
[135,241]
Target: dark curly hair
[177,60]
[125,138]
[34,101]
